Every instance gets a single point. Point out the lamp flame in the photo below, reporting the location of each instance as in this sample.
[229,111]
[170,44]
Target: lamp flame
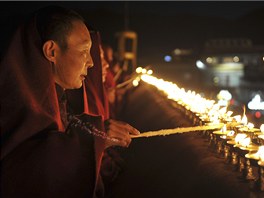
[239,137]
[260,153]
[223,129]
[229,113]
[237,118]
[250,125]
[245,142]
[139,70]
[262,128]
[244,120]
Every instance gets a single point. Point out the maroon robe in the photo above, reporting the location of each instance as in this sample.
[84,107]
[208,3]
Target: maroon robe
[97,104]
[91,99]
[39,158]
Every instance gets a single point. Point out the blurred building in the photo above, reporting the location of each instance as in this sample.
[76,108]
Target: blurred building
[235,65]
[228,62]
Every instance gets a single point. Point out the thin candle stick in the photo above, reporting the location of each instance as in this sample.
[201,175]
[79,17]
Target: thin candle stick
[164,132]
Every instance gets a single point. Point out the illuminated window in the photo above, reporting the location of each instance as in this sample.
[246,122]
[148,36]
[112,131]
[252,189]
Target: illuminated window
[236,59]
[209,60]
[216,80]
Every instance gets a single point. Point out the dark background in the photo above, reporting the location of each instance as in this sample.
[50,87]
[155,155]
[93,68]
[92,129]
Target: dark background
[161,26]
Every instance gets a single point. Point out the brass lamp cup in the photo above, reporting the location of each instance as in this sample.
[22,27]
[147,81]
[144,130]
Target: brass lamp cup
[208,134]
[252,133]
[252,169]
[232,153]
[260,180]
[237,127]
[260,138]
[244,164]
[240,166]
[226,148]
[220,141]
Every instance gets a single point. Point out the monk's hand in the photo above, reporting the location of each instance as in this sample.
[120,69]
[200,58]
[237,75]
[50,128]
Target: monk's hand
[119,133]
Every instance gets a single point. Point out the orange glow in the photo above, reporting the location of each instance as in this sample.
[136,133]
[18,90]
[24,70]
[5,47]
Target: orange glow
[257,114]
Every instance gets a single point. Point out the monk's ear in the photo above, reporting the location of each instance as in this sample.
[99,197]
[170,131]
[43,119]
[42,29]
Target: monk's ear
[49,50]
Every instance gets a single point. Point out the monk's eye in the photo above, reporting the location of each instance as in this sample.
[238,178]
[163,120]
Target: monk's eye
[85,52]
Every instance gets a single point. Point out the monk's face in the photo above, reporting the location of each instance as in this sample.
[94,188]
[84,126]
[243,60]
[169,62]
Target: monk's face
[105,64]
[72,64]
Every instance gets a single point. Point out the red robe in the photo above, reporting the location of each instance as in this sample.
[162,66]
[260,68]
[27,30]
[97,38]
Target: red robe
[96,103]
[38,157]
[92,99]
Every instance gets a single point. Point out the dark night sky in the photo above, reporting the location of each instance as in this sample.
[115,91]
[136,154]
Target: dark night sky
[163,25]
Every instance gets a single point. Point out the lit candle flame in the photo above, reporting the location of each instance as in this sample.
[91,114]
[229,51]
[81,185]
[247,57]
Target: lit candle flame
[139,70]
[229,113]
[223,129]
[260,153]
[244,120]
[149,72]
[239,137]
[223,110]
[245,142]
[237,118]
[144,71]
[135,83]
[250,125]
[262,128]
[206,109]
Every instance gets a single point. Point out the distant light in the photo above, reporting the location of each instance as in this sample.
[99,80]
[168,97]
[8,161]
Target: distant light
[149,72]
[144,71]
[135,83]
[177,51]
[236,59]
[263,58]
[256,103]
[167,58]
[226,65]
[257,114]
[200,64]
[216,80]
[209,60]
[225,95]
[262,128]
[232,101]
[222,103]
[139,70]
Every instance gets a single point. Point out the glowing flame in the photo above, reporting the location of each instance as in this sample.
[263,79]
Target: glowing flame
[237,118]
[250,125]
[149,72]
[135,83]
[244,120]
[206,109]
[189,99]
[223,129]
[144,71]
[262,128]
[214,119]
[139,70]
[245,142]
[260,153]
[223,110]
[239,137]
[229,113]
